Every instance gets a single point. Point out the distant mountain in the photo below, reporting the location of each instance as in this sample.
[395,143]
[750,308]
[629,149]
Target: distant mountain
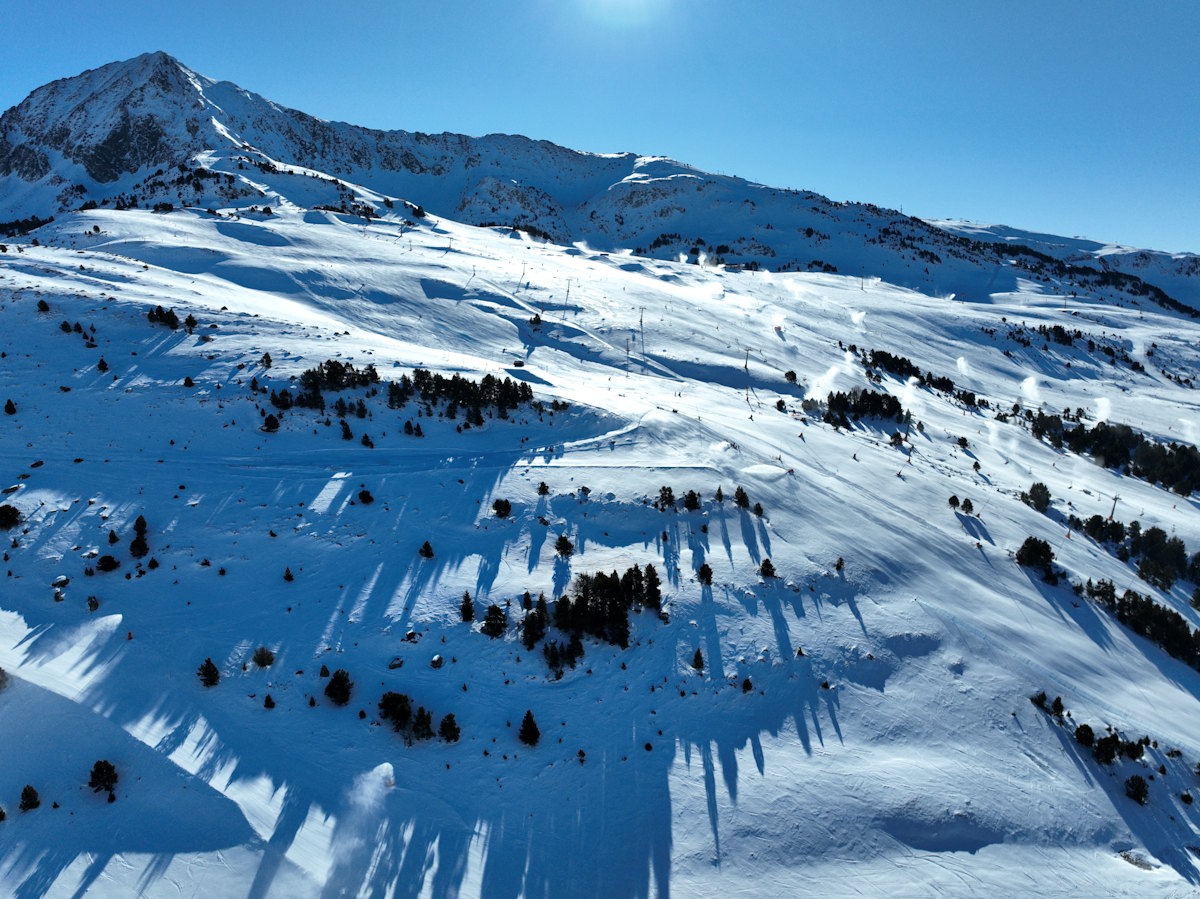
[151,131]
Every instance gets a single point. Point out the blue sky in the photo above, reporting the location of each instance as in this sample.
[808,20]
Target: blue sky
[1078,118]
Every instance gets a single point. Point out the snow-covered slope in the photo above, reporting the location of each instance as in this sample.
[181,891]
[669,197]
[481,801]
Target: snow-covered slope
[858,723]
[898,754]
[149,131]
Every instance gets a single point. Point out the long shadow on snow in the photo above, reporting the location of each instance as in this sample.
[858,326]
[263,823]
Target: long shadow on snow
[548,826]
[1154,823]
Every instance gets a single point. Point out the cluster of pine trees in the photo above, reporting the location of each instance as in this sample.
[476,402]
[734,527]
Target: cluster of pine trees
[332,375]
[1106,749]
[1173,465]
[602,603]
[842,408]
[903,367]
[502,394]
[160,316]
[1162,559]
[418,725]
[1157,623]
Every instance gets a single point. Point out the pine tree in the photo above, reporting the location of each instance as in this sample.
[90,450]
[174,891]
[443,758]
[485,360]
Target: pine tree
[339,687]
[10,408]
[705,575]
[426,550]
[495,622]
[29,799]
[740,498]
[448,729]
[263,657]
[653,593]
[104,776]
[529,733]
[698,660]
[270,424]
[719,496]
[563,546]
[397,708]
[467,608]
[208,673]
[767,569]
[138,546]
[422,724]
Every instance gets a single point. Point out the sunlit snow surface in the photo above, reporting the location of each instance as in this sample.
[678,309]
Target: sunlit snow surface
[922,769]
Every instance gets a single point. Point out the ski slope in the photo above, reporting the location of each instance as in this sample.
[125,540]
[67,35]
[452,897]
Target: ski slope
[898,753]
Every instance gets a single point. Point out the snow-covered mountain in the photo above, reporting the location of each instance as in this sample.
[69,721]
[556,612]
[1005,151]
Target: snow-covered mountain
[119,135]
[883,519]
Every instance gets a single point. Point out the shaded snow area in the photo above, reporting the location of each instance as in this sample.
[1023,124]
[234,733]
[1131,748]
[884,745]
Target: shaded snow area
[861,722]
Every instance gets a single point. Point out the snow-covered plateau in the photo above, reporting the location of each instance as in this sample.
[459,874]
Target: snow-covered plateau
[832,695]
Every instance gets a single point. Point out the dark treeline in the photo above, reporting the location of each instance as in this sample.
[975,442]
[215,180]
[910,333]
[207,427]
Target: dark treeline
[598,606]
[1162,559]
[841,408]
[23,226]
[502,394]
[1161,625]
[1173,465]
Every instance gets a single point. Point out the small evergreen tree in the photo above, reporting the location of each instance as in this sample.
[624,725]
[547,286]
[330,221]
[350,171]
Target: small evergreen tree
[767,569]
[495,622]
[691,501]
[448,729]
[270,424]
[719,496]
[10,517]
[705,575]
[502,508]
[967,507]
[543,489]
[1084,735]
[288,576]
[563,546]
[426,550]
[208,673]
[652,590]
[1038,496]
[138,546]
[529,732]
[422,724]
[339,687]
[698,660]
[397,708]
[104,777]
[10,407]
[740,498]
[29,799]
[1035,553]
[1137,789]
[467,608]
[758,510]
[263,657]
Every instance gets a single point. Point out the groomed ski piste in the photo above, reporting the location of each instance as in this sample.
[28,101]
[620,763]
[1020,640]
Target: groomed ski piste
[862,728]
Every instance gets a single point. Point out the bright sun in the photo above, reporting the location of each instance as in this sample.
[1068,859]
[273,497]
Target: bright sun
[625,13]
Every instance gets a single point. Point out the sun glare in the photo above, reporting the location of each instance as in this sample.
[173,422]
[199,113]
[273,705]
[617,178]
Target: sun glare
[625,13]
